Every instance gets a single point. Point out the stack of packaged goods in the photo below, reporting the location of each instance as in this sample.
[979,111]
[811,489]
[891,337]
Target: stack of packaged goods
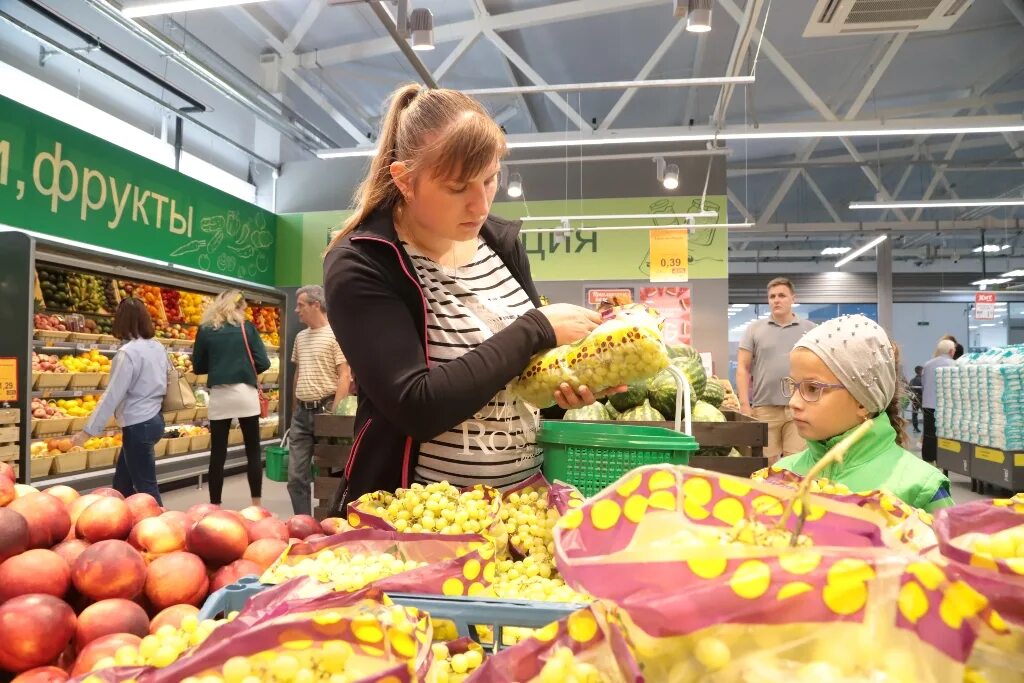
[980,400]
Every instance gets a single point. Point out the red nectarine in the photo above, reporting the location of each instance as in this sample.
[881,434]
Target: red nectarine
[34,571]
[106,617]
[109,569]
[34,630]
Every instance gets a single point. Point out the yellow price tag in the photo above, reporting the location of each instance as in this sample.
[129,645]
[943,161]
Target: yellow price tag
[8,379]
[670,255]
[949,445]
[989,455]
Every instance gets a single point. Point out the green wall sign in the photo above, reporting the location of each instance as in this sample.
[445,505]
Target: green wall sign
[61,181]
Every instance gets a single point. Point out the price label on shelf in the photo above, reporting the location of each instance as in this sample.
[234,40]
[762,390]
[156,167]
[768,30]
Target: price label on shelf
[8,379]
[670,255]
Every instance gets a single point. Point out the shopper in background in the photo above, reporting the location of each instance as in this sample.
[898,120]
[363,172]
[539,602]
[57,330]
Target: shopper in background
[845,373]
[915,399]
[138,383]
[322,379]
[959,351]
[944,354]
[227,346]
[764,358]
[433,303]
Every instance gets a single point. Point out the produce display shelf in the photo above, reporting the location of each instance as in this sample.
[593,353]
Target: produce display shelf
[168,469]
[465,613]
[64,393]
[78,347]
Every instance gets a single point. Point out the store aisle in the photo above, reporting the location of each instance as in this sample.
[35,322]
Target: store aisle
[236,496]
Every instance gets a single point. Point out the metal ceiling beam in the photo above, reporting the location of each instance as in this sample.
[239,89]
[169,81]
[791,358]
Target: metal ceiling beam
[740,207]
[967,101]
[305,22]
[940,174]
[698,67]
[1016,8]
[821,196]
[455,55]
[384,15]
[849,227]
[744,33]
[508,21]
[481,14]
[643,74]
[536,78]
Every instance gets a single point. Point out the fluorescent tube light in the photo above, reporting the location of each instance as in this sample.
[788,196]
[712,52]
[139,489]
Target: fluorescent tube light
[613,85]
[1013,273]
[170,6]
[863,250]
[991,248]
[621,216]
[727,226]
[937,203]
[988,282]
[835,251]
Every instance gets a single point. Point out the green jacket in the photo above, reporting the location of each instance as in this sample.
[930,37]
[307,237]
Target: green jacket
[221,354]
[877,462]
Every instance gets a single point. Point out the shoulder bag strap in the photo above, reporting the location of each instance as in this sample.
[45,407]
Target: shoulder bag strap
[245,338]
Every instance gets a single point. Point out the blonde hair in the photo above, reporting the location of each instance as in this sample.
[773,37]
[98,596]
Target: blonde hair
[227,309]
[443,130]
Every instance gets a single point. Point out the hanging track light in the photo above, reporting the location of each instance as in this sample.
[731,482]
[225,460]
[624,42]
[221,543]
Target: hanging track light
[515,186]
[421,29]
[698,19]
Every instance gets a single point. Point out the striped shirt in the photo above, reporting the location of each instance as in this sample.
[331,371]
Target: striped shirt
[318,356]
[465,307]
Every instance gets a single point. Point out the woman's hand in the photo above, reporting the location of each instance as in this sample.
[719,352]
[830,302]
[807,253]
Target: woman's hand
[568,399]
[79,439]
[571,323]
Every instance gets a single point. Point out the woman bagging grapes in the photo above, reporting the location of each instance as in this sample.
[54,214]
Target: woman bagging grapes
[433,304]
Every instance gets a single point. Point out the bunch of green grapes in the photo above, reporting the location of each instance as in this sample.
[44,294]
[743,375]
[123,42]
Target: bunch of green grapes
[758,534]
[829,487]
[449,668]
[530,521]
[436,508]
[1007,544]
[617,353]
[164,647]
[563,667]
[347,571]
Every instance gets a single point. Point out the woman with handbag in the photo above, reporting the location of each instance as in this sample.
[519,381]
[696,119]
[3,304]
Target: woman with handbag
[134,397]
[228,348]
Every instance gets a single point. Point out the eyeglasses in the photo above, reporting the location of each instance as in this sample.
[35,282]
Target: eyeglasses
[810,390]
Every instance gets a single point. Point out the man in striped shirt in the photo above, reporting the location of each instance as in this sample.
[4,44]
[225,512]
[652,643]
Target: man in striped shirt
[322,379]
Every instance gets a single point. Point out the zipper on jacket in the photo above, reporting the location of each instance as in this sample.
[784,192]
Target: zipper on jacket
[355,448]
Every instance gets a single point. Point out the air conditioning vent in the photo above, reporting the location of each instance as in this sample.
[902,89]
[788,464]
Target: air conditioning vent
[860,17]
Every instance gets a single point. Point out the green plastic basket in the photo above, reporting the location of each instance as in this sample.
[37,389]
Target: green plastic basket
[277,463]
[590,456]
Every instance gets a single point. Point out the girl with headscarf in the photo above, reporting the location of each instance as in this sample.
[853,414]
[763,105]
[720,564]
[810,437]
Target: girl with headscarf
[843,373]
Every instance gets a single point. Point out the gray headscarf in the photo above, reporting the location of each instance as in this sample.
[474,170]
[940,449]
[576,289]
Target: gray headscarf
[857,351]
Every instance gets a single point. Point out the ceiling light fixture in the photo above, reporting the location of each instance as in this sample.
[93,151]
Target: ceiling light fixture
[835,251]
[698,18]
[937,204]
[515,186]
[781,131]
[991,281]
[863,250]
[991,248]
[621,216]
[726,226]
[668,175]
[150,9]
[421,29]
[1013,273]
[695,82]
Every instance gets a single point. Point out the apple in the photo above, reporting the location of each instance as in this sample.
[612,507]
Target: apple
[219,538]
[34,571]
[301,526]
[14,534]
[264,552]
[106,617]
[109,569]
[34,630]
[48,521]
[177,579]
[142,506]
[107,518]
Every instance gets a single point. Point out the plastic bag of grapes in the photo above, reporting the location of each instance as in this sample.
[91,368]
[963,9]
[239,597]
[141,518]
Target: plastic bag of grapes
[587,646]
[983,542]
[910,525]
[687,554]
[358,637]
[626,348]
[391,561]
[434,508]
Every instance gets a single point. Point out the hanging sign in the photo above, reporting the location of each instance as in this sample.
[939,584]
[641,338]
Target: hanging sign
[984,306]
[670,255]
[8,379]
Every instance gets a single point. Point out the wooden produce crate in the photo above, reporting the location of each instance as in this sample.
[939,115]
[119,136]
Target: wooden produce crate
[77,424]
[108,339]
[183,344]
[10,416]
[954,456]
[55,427]
[9,452]
[272,405]
[169,418]
[85,338]
[66,463]
[267,431]
[166,342]
[200,442]
[333,444]
[186,415]
[201,380]
[178,445]
[85,380]
[104,380]
[270,377]
[202,413]
[54,381]
[190,377]
[235,437]
[101,458]
[51,336]
[997,467]
[40,467]
[160,448]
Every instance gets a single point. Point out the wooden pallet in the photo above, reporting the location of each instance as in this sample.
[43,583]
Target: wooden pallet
[333,434]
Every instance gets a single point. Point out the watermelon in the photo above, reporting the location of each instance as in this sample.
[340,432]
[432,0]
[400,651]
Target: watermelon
[643,413]
[705,412]
[631,398]
[693,368]
[662,388]
[681,351]
[714,451]
[593,413]
[714,393]
[612,413]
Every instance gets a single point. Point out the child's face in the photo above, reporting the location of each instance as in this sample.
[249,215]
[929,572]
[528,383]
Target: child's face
[834,413]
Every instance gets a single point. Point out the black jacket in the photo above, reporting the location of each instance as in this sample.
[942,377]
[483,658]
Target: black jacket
[378,313]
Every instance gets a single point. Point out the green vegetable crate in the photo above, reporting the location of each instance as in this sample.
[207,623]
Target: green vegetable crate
[592,455]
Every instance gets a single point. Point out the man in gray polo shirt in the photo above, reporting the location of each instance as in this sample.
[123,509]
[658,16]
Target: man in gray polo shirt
[764,356]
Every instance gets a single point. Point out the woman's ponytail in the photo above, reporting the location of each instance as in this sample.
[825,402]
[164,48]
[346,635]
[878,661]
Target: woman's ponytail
[895,408]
